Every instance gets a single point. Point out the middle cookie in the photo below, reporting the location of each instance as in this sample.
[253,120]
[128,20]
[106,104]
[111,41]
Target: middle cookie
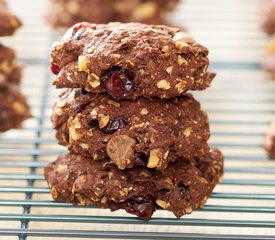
[142,132]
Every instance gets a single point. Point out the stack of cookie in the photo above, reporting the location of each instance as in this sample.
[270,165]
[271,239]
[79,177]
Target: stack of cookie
[65,13]
[137,141]
[13,106]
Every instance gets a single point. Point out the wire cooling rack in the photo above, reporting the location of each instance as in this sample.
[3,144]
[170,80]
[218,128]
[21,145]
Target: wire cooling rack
[240,104]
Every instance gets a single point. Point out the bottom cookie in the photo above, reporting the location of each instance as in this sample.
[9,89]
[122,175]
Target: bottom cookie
[13,107]
[180,188]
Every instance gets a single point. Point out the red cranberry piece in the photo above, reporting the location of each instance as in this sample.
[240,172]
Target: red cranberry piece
[119,83]
[114,125]
[142,206]
[55,69]
[184,190]
[78,31]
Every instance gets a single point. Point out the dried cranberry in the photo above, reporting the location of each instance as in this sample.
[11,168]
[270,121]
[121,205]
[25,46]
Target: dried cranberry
[119,83]
[78,31]
[142,206]
[184,190]
[113,125]
[55,69]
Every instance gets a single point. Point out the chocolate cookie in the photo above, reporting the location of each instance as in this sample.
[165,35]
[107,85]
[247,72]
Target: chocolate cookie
[269,61]
[65,13]
[8,22]
[130,60]
[150,132]
[10,72]
[267,16]
[180,188]
[13,107]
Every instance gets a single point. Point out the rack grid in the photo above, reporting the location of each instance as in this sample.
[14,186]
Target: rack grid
[240,104]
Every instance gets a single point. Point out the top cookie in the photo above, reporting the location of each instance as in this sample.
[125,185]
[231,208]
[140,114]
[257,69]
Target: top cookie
[65,13]
[8,22]
[130,60]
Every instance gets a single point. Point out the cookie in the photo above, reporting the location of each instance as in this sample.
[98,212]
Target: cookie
[10,72]
[13,107]
[130,60]
[65,13]
[267,16]
[269,60]
[150,132]
[180,188]
[9,23]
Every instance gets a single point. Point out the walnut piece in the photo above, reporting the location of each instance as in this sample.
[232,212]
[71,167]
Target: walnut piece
[183,37]
[144,10]
[121,150]
[162,203]
[83,64]
[157,156]
[163,85]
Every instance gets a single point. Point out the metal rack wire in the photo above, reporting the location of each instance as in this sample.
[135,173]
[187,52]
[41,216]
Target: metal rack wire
[240,104]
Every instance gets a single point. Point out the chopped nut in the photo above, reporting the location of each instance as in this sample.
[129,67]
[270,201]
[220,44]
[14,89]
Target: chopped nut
[75,123]
[104,200]
[103,120]
[54,192]
[5,67]
[2,77]
[271,47]
[168,181]
[162,203]
[114,103]
[116,183]
[73,126]
[181,45]
[84,146]
[14,22]
[72,7]
[130,63]
[124,192]
[144,10]
[110,175]
[156,157]
[187,132]
[181,86]
[94,113]
[188,210]
[93,80]
[83,64]
[169,70]
[183,37]
[83,179]
[144,111]
[91,49]
[62,168]
[181,60]
[121,150]
[19,107]
[165,49]
[163,85]
[95,156]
